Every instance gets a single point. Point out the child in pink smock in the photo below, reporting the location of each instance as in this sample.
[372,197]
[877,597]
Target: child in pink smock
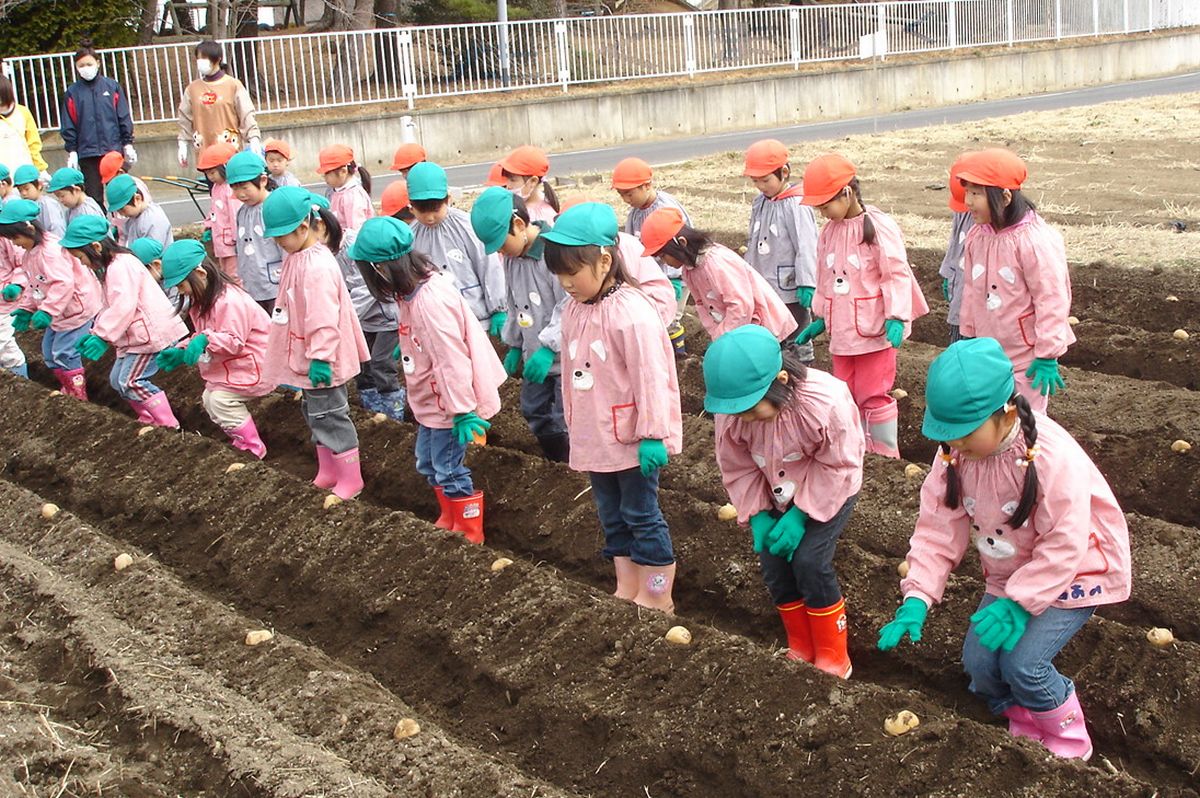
[223,207]
[12,284]
[866,296]
[620,396]
[1052,540]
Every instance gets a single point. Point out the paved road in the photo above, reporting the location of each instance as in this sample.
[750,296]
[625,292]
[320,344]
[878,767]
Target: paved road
[182,211]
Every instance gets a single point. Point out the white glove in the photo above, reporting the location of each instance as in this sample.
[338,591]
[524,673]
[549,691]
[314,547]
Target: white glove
[130,154]
[256,146]
[72,160]
[183,154]
[44,177]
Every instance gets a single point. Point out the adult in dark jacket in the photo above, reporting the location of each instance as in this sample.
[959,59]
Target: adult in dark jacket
[95,121]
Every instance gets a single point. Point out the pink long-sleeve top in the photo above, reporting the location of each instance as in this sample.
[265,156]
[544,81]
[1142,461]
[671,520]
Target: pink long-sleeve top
[860,286]
[1018,290]
[60,285]
[1073,551]
[222,220]
[351,204]
[313,320]
[11,272]
[729,293]
[236,328]
[137,317]
[810,455]
[619,380]
[450,366]
[651,279]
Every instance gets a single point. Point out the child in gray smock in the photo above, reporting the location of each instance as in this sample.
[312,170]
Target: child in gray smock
[259,258]
[952,269]
[452,246]
[52,217]
[86,207]
[152,222]
[783,248]
[378,382]
[633,226]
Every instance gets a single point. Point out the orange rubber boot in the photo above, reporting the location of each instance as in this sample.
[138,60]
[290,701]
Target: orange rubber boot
[445,518]
[467,516]
[799,633]
[830,639]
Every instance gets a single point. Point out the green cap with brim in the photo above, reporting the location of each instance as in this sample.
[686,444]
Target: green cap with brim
[739,368]
[181,259]
[585,224]
[380,239]
[65,178]
[491,217]
[147,250]
[4,173]
[244,167]
[119,192]
[285,208]
[27,173]
[966,384]
[19,210]
[427,181]
[84,230]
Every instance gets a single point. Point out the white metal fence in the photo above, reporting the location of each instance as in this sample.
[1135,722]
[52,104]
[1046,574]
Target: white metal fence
[307,71]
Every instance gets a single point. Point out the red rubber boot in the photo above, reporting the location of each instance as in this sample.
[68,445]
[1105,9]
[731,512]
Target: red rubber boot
[799,632]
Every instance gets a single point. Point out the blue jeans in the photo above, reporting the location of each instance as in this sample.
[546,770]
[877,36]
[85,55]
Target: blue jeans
[542,406]
[633,523]
[130,377]
[440,459]
[810,575]
[1025,676]
[58,347]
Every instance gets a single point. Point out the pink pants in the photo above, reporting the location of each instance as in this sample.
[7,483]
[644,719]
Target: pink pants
[870,378]
[229,266]
[1039,403]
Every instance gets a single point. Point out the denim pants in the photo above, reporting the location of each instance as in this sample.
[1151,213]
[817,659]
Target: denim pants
[633,523]
[1025,676]
[441,460]
[327,413]
[130,376]
[58,347]
[542,406]
[380,371]
[809,576]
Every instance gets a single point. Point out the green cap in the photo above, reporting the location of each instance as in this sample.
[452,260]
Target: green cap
[19,210]
[180,259]
[147,250]
[382,238]
[588,223]
[27,173]
[966,384]
[4,173]
[84,230]
[427,181]
[65,178]
[244,167]
[739,367]
[491,217]
[119,192]
[285,208]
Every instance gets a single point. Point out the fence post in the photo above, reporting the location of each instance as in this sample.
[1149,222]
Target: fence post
[1150,15]
[951,24]
[882,37]
[408,70]
[1058,20]
[1096,17]
[561,47]
[689,44]
[794,36]
[1010,23]
[1125,10]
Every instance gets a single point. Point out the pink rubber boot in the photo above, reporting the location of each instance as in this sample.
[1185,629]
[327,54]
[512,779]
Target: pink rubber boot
[326,476]
[246,438]
[159,410]
[348,471]
[627,578]
[1064,731]
[1021,724]
[139,408]
[655,586]
[73,383]
[882,432]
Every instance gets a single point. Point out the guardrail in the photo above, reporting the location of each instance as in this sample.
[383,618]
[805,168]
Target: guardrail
[327,70]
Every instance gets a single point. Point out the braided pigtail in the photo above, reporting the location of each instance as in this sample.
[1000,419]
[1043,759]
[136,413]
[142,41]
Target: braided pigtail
[1030,488]
[868,237]
[952,491]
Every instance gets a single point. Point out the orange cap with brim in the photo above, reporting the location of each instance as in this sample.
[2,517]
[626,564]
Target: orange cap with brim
[495,176]
[764,157]
[215,155]
[659,228]
[996,167]
[281,147]
[407,155]
[571,202]
[958,192]
[111,165]
[526,161]
[824,177]
[631,173]
[395,198]
[334,157]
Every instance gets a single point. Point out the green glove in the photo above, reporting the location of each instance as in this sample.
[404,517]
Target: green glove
[1044,371]
[761,525]
[512,361]
[40,320]
[652,455]
[396,352]
[169,359]
[21,319]
[319,373]
[191,355]
[538,365]
[11,292]
[946,288]
[496,325]
[894,330]
[677,284]
[783,540]
[811,331]
[206,236]
[804,295]
[92,347]
[910,618]
[468,426]
[1000,624]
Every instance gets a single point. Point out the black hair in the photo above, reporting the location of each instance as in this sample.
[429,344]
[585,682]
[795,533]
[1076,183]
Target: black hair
[269,185]
[32,229]
[363,175]
[203,300]
[428,205]
[695,243]
[405,214]
[520,211]
[212,51]
[333,229]
[565,259]
[1030,488]
[86,48]
[868,236]
[109,249]
[780,393]
[779,172]
[547,190]
[1006,216]
[219,168]
[7,94]
[392,279]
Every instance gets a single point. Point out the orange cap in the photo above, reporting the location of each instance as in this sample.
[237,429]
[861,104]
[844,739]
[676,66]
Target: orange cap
[496,176]
[526,161]
[631,173]
[659,228]
[764,157]
[275,145]
[995,167]
[407,155]
[334,157]
[111,165]
[824,177]
[215,155]
[572,201]
[395,198]
[958,192]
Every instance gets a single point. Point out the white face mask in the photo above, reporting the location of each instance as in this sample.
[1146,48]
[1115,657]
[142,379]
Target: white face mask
[89,72]
[205,67]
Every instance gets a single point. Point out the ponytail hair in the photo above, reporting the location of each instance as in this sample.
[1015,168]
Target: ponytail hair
[333,229]
[695,243]
[393,279]
[868,236]
[33,229]
[549,195]
[1007,215]
[363,175]
[781,393]
[204,300]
